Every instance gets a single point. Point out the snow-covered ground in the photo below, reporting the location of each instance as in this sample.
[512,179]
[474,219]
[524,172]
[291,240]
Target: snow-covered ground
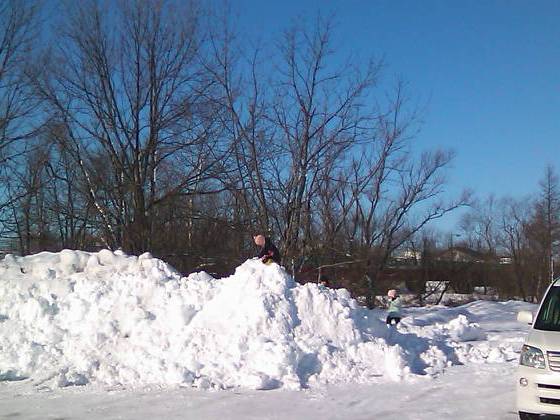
[105,335]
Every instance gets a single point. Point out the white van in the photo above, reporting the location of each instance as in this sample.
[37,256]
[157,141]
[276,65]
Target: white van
[538,379]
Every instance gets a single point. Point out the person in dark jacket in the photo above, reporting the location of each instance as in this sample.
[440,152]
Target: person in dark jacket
[267,251]
[324,281]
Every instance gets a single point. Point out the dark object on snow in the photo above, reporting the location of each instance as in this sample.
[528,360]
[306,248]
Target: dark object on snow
[269,252]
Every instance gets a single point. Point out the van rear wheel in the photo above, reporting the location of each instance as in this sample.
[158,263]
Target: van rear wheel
[528,416]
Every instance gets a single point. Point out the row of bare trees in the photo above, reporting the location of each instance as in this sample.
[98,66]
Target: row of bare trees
[152,126]
[525,232]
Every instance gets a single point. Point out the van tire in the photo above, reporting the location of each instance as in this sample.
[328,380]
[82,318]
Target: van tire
[527,416]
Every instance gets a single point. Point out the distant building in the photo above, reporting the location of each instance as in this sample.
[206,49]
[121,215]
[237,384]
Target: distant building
[505,260]
[407,255]
[461,254]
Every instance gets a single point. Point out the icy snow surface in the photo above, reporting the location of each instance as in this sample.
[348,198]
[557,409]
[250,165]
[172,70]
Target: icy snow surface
[77,318]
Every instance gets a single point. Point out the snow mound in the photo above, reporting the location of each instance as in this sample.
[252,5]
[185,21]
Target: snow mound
[75,318]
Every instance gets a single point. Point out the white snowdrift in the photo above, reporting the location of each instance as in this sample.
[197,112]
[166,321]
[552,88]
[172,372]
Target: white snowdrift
[74,318]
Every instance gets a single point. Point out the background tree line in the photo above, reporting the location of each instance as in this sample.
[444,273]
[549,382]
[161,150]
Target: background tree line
[525,232]
[157,126]
[506,247]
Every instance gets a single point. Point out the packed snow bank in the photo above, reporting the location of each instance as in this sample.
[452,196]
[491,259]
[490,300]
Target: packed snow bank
[73,318]
[475,331]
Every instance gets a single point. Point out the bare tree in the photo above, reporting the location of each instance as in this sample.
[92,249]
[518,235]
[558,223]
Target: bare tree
[242,95]
[480,226]
[18,31]
[130,92]
[514,224]
[402,192]
[319,115]
[547,212]
[19,28]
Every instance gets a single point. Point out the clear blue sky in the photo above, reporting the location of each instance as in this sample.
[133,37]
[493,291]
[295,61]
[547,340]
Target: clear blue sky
[489,72]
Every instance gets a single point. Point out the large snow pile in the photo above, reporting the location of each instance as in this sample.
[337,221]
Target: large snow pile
[73,318]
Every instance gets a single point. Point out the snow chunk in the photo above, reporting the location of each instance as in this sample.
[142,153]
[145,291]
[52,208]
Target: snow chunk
[460,329]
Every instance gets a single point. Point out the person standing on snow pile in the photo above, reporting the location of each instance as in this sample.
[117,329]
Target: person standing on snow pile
[267,251]
[395,306]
